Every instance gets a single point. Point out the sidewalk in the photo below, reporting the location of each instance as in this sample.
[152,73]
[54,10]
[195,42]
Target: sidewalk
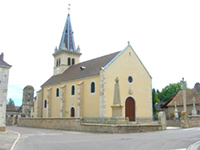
[7,139]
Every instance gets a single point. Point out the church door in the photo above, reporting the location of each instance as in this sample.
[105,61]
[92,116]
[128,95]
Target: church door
[130,109]
[72,112]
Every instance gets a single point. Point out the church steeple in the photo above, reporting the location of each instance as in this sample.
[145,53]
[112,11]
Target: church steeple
[66,54]
[67,39]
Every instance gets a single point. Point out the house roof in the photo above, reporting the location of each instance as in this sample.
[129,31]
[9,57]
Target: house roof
[2,62]
[167,102]
[90,68]
[190,93]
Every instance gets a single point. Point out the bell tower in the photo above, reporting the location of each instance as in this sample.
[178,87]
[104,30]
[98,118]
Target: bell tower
[67,54]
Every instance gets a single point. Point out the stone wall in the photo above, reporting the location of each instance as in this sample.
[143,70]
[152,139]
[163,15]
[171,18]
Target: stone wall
[75,124]
[11,120]
[194,121]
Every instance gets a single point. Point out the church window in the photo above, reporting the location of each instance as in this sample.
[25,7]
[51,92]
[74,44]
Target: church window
[92,89]
[73,90]
[69,61]
[45,104]
[130,79]
[59,62]
[73,61]
[56,62]
[57,92]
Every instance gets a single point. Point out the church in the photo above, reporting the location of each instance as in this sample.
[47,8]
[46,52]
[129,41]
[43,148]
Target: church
[113,85]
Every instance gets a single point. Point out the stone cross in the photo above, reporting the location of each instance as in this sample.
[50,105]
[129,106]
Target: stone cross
[194,112]
[175,111]
[183,84]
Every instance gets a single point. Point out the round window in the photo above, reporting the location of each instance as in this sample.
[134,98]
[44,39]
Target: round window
[130,79]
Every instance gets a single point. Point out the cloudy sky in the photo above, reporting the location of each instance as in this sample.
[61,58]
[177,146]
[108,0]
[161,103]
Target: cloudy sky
[165,34]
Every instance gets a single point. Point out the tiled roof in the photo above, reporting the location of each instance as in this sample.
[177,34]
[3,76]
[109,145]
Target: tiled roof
[190,93]
[92,67]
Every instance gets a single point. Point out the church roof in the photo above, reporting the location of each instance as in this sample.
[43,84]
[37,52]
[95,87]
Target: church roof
[82,70]
[67,39]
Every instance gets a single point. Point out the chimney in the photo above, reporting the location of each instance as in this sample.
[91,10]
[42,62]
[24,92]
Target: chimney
[1,56]
[197,88]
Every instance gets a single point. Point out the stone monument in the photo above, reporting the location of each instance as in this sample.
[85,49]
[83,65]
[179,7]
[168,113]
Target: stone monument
[175,112]
[194,111]
[4,74]
[116,107]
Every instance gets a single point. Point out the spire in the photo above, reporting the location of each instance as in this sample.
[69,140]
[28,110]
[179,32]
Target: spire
[67,39]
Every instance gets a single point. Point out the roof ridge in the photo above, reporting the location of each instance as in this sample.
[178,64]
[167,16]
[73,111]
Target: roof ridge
[93,59]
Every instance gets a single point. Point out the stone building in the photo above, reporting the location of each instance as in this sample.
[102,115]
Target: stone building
[27,101]
[192,102]
[113,85]
[4,75]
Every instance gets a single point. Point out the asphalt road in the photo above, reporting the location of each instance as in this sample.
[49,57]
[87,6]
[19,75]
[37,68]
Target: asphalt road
[44,139]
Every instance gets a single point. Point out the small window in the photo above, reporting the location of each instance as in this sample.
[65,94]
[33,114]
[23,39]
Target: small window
[69,61]
[57,92]
[92,89]
[45,104]
[59,62]
[73,90]
[73,61]
[130,79]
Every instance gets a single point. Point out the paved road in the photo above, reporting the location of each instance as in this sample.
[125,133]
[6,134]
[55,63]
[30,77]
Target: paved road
[44,139]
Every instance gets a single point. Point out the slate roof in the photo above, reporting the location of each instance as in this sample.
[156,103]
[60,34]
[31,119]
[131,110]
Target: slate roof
[190,93]
[3,63]
[92,68]
[67,36]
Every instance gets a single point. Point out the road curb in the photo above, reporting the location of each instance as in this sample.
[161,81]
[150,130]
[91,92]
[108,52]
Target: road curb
[194,146]
[18,136]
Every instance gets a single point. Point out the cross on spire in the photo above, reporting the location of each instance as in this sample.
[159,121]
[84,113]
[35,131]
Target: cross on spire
[69,8]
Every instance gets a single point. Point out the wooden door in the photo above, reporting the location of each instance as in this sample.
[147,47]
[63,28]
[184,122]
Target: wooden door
[72,112]
[130,109]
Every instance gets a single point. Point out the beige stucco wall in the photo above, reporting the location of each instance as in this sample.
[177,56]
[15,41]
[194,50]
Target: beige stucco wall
[89,101]
[128,64]
[64,55]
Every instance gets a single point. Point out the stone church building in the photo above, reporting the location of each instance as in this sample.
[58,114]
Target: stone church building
[114,85]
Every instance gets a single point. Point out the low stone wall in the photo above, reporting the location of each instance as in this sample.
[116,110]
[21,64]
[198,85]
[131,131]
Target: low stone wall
[194,121]
[174,123]
[75,124]
[10,121]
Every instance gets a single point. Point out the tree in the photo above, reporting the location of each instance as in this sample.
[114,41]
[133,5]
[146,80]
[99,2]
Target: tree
[11,102]
[169,91]
[154,99]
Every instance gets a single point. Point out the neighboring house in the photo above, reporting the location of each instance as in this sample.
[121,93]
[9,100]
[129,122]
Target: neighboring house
[4,75]
[191,94]
[114,85]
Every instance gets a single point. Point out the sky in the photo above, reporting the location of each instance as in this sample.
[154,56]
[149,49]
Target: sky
[165,34]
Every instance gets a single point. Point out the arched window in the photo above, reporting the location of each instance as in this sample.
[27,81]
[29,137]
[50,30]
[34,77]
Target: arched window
[73,90]
[57,92]
[92,89]
[69,61]
[56,62]
[59,62]
[45,104]
[73,61]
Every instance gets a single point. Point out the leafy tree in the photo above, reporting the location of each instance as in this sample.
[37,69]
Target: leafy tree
[169,91]
[154,99]
[11,102]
